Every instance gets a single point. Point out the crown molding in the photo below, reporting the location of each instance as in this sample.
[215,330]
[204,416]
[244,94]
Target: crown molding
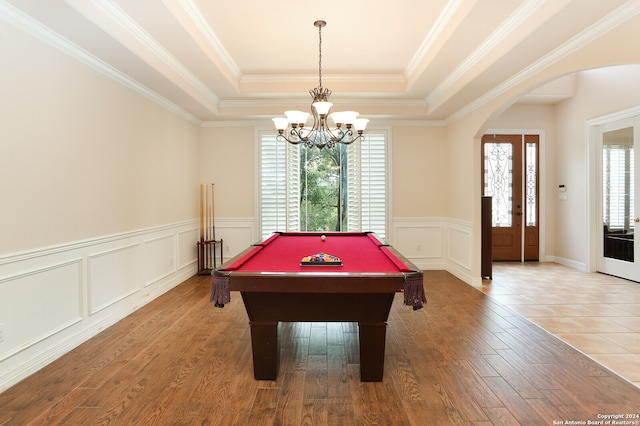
[603,26]
[111,10]
[381,102]
[443,21]
[201,23]
[43,33]
[501,33]
[266,123]
[618,115]
[330,78]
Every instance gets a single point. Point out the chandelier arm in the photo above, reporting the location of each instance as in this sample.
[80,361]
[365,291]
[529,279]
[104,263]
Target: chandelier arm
[317,121]
[339,136]
[342,136]
[293,132]
[291,141]
[308,140]
[350,141]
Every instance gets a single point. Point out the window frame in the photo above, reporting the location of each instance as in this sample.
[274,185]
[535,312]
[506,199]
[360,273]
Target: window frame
[258,132]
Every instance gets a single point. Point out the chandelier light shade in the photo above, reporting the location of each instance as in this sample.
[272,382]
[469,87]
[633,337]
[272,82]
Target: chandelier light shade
[346,127]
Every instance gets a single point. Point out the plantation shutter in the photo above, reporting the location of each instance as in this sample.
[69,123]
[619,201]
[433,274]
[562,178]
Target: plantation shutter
[618,188]
[366,186]
[373,176]
[279,185]
[293,187]
[354,185]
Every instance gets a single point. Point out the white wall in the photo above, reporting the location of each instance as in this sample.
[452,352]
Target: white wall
[420,228]
[598,49]
[99,208]
[600,92]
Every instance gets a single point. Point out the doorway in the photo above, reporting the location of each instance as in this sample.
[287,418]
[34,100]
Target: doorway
[617,249]
[510,175]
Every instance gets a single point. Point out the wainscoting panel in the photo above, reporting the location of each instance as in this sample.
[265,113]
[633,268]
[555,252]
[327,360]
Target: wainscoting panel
[113,275]
[435,243]
[38,304]
[420,240]
[53,299]
[159,257]
[237,235]
[459,245]
[187,248]
[419,243]
[459,252]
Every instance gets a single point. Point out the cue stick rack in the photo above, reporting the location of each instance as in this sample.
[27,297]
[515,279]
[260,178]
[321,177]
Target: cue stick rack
[207,245]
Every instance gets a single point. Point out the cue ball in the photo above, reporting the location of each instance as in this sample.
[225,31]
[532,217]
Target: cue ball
[323,238]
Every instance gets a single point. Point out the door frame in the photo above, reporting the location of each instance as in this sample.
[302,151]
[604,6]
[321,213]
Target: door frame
[542,179]
[592,134]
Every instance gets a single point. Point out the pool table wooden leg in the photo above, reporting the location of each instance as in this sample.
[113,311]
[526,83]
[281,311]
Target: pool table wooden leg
[372,343]
[266,349]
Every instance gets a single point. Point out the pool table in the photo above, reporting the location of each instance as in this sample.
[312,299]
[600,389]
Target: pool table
[356,284]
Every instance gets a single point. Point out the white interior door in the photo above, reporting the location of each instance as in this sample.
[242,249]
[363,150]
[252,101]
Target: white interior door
[618,183]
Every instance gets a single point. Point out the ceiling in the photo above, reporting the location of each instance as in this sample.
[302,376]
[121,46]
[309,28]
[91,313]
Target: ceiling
[221,61]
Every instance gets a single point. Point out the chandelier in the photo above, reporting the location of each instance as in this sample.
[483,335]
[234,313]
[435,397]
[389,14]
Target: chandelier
[292,127]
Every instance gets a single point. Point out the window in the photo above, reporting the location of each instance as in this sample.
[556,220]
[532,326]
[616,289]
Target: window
[531,182]
[349,183]
[498,181]
[617,188]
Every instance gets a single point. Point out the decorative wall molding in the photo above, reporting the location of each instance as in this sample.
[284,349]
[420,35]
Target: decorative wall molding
[53,299]
[79,289]
[459,243]
[237,234]
[430,243]
[160,257]
[112,276]
[605,24]
[435,244]
[31,293]
[31,26]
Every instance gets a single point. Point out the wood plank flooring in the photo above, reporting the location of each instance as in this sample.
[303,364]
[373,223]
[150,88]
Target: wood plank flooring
[464,359]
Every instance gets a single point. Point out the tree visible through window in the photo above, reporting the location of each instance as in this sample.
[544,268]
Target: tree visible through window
[323,179]
[339,189]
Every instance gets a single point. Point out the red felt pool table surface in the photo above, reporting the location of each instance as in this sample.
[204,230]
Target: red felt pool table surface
[275,287]
[359,252]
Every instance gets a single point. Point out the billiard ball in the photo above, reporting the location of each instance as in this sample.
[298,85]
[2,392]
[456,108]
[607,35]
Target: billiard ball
[323,238]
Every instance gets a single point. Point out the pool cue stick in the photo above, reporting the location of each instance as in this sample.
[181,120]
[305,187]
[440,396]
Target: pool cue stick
[207,237]
[206,225]
[209,216]
[213,226]
[211,234]
[200,245]
[213,212]
[201,213]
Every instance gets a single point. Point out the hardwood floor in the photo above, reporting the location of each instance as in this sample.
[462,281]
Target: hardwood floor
[464,359]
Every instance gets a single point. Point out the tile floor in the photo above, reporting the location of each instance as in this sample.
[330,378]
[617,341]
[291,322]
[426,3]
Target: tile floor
[595,313]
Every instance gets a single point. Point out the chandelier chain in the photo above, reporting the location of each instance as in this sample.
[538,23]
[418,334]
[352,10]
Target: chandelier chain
[320,54]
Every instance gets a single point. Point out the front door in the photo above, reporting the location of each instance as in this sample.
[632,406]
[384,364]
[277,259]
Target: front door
[510,177]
